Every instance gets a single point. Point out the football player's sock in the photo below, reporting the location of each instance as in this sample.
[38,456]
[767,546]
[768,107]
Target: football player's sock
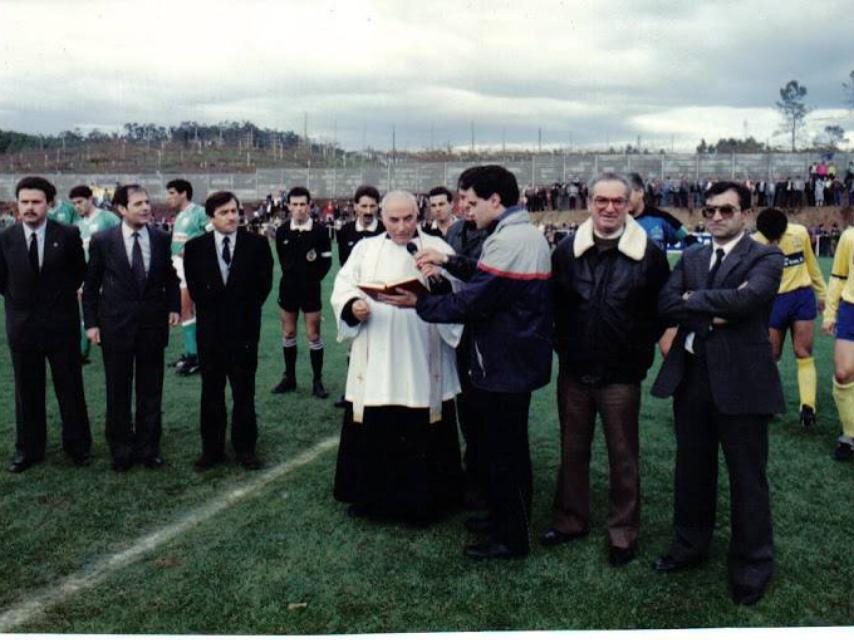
[316,354]
[85,345]
[843,395]
[289,351]
[188,329]
[807,381]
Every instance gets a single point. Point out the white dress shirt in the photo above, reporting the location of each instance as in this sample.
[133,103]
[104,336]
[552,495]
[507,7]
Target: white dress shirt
[232,243]
[144,243]
[689,339]
[40,234]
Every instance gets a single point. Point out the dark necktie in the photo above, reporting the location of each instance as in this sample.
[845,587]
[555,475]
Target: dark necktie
[137,265]
[719,258]
[226,250]
[33,253]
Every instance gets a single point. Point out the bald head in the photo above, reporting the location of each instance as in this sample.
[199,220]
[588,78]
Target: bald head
[400,215]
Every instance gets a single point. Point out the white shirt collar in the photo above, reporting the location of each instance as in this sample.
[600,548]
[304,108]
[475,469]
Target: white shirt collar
[371,227]
[232,237]
[305,226]
[128,231]
[728,246]
[39,230]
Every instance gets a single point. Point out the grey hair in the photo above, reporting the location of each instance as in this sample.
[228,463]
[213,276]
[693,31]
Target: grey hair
[399,195]
[610,176]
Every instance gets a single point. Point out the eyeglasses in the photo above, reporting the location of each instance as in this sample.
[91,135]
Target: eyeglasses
[602,202]
[726,211]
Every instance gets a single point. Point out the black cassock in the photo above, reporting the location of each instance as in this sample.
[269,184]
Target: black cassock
[396,464]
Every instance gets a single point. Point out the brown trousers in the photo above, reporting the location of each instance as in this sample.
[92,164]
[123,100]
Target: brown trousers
[619,407]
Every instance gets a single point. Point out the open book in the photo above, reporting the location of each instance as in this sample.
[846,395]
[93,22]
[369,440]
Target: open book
[412,284]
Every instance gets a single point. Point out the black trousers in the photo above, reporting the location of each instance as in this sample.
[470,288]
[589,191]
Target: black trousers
[237,364]
[700,427]
[506,458]
[30,415]
[139,369]
[470,421]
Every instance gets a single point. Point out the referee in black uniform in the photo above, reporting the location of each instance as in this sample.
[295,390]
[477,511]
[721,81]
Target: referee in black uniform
[305,255]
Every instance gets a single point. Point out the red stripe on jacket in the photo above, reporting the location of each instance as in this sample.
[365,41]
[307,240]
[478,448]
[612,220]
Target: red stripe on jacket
[512,274]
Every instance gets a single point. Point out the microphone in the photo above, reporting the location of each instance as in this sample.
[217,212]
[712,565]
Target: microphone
[412,248]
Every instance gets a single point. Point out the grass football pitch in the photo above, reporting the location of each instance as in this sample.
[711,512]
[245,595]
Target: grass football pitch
[270,552]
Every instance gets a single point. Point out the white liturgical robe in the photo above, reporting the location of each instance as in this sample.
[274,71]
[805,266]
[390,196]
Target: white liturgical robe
[396,358]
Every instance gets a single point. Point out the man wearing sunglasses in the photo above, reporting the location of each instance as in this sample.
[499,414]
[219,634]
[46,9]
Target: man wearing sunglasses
[725,387]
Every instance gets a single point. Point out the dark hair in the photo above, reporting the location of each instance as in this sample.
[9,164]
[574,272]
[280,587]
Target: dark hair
[464,181]
[80,191]
[297,192]
[217,199]
[38,183]
[366,190]
[636,181]
[123,193]
[772,223]
[441,191]
[743,192]
[492,178]
[181,186]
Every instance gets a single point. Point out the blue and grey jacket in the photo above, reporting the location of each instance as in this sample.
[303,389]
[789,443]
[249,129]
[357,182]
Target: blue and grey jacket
[507,304]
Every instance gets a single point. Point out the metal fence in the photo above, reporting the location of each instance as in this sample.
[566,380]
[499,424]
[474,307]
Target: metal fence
[421,177]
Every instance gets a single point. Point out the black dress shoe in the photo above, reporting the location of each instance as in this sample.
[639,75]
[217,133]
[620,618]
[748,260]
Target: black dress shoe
[341,403]
[619,556]
[249,461]
[490,550]
[356,510]
[553,537]
[668,563]
[81,459]
[746,595]
[120,465]
[318,390]
[153,462]
[479,524]
[19,465]
[285,385]
[207,462]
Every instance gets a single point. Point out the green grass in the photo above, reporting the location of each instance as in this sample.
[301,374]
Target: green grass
[292,544]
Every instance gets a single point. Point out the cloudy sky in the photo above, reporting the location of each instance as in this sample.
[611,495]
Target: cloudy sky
[583,72]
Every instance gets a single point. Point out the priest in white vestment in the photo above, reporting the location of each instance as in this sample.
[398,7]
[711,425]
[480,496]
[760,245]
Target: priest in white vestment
[399,453]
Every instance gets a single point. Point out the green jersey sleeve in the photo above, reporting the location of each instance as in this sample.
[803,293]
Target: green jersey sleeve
[64,212]
[190,223]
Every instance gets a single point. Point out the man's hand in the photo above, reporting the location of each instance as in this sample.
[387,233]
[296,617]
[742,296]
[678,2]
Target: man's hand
[829,327]
[94,335]
[403,298]
[687,295]
[361,309]
[431,271]
[430,256]
[174,319]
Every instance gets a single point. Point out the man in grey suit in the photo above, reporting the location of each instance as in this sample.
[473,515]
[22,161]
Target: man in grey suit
[725,387]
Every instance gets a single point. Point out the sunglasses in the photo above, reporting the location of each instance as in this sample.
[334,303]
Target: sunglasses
[726,211]
[602,202]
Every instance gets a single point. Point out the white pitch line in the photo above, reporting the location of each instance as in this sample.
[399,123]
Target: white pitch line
[32,606]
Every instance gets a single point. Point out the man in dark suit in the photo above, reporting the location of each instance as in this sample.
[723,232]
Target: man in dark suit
[725,387]
[130,300]
[41,267]
[229,273]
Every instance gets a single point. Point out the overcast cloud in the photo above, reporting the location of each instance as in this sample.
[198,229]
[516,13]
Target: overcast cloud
[585,71]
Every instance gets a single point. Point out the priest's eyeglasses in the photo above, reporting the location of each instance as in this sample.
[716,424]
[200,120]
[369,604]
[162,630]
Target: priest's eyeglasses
[726,211]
